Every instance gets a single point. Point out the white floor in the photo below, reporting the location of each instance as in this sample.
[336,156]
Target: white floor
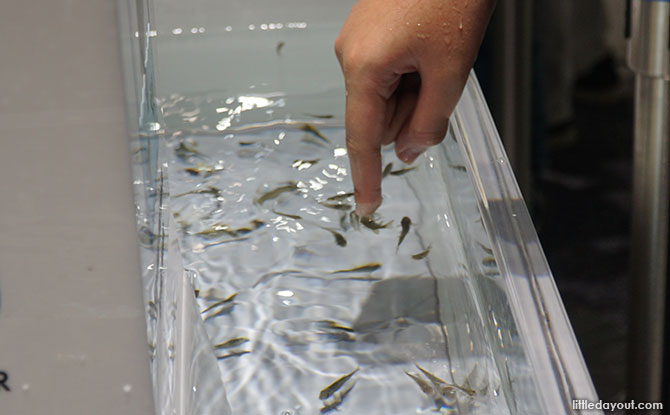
[72,332]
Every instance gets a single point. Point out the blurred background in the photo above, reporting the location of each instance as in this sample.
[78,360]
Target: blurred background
[562,96]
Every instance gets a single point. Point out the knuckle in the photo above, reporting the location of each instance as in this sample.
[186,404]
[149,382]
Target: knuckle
[338,46]
[426,138]
[358,62]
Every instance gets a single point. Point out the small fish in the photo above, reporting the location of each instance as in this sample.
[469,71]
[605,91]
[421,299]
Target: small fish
[402,171]
[309,128]
[201,247]
[425,386]
[444,387]
[336,206]
[489,261]
[372,267]
[366,278]
[231,343]
[295,217]
[340,197]
[334,325]
[354,219]
[256,225]
[321,116]
[153,310]
[205,171]
[226,309]
[233,354]
[210,190]
[218,303]
[196,292]
[434,379]
[458,167]
[303,164]
[290,187]
[371,224]
[485,248]
[338,399]
[338,336]
[387,170]
[405,223]
[280,45]
[184,151]
[470,380]
[329,390]
[339,239]
[217,231]
[343,222]
[246,143]
[421,255]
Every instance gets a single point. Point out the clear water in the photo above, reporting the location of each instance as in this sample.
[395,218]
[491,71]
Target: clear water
[299,324]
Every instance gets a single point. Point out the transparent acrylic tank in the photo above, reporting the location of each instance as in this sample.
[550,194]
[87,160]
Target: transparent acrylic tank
[265,294]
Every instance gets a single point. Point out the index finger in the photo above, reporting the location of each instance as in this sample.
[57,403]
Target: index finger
[365,127]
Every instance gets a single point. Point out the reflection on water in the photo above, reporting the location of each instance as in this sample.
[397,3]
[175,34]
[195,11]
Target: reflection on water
[310,310]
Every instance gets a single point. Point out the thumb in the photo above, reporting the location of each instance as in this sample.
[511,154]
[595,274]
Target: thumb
[430,119]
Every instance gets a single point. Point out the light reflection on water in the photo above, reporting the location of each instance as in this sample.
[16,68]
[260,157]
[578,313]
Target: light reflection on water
[271,242]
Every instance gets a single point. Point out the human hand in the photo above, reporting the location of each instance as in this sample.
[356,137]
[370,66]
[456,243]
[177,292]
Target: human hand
[405,64]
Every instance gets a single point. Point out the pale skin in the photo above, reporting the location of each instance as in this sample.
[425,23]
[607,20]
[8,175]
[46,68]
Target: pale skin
[405,64]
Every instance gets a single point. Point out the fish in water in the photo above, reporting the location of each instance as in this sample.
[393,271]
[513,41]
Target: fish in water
[226,309]
[424,385]
[444,387]
[231,343]
[256,224]
[336,206]
[210,190]
[334,325]
[458,167]
[217,230]
[233,354]
[289,187]
[339,239]
[321,116]
[204,171]
[184,151]
[405,223]
[367,278]
[387,170]
[489,261]
[485,248]
[309,128]
[288,215]
[340,197]
[343,221]
[362,268]
[218,303]
[421,255]
[280,45]
[400,172]
[371,224]
[329,390]
[338,398]
[354,219]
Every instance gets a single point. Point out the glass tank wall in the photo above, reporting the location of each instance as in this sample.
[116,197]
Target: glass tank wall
[266,294]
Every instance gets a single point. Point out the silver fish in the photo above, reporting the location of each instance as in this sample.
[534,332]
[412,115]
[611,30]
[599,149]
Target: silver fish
[333,387]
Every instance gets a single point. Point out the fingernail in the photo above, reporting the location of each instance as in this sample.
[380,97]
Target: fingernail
[409,155]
